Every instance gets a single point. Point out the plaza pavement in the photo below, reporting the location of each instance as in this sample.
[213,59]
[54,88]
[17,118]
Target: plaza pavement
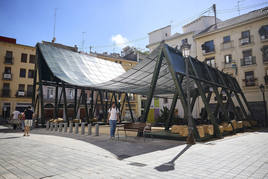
[40,155]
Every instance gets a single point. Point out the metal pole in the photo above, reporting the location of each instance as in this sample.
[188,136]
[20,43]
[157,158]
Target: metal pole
[265,110]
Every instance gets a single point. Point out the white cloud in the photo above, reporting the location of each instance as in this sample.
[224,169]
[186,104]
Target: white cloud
[120,41]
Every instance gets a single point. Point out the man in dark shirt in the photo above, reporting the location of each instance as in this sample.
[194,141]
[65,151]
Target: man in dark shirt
[28,120]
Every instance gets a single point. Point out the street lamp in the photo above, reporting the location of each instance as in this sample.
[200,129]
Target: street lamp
[262,88]
[185,48]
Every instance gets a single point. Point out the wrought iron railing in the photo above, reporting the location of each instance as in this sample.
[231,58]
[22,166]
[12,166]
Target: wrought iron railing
[251,60]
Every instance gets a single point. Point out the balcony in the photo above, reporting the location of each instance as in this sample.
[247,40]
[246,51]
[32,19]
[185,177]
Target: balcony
[8,60]
[229,65]
[250,60]
[7,76]
[227,45]
[266,79]
[20,94]
[208,52]
[250,83]
[6,93]
[246,41]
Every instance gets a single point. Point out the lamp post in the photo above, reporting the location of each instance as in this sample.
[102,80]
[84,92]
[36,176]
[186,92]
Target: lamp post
[262,88]
[185,48]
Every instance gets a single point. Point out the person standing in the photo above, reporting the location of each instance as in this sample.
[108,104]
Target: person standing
[22,119]
[113,117]
[15,118]
[28,120]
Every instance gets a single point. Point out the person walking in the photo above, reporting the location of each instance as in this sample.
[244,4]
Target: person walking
[28,120]
[113,117]
[15,119]
[22,119]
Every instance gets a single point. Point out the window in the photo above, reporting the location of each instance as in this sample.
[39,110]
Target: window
[6,86]
[24,58]
[245,38]
[184,41]
[7,70]
[71,93]
[265,53]
[22,73]
[8,58]
[211,62]
[21,87]
[166,34]
[32,59]
[249,78]
[226,39]
[208,47]
[50,93]
[30,73]
[247,58]
[245,34]
[29,90]
[9,54]
[263,31]
[228,59]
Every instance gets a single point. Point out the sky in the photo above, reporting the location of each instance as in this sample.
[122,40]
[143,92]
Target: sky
[106,25]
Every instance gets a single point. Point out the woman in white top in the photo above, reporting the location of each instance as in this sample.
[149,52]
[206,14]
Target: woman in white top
[113,116]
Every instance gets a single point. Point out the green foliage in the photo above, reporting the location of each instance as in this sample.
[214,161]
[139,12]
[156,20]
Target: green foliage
[163,115]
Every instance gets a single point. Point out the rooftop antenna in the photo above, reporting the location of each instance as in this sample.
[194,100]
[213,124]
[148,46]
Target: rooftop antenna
[214,10]
[83,41]
[55,14]
[238,6]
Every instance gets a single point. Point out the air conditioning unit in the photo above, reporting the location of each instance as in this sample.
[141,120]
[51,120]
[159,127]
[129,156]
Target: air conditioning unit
[7,76]
[21,93]
[244,41]
[263,37]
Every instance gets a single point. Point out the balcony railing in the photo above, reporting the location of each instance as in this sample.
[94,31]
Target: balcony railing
[229,65]
[20,94]
[266,79]
[251,82]
[251,60]
[8,60]
[264,37]
[207,52]
[246,41]
[227,45]
[5,92]
[7,76]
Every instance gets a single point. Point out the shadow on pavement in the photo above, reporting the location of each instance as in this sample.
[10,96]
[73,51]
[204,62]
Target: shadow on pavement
[123,148]
[171,164]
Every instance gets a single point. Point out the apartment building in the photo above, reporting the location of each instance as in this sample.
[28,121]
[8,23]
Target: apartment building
[239,46]
[17,72]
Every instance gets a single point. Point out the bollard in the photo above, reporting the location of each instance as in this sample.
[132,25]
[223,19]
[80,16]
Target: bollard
[82,128]
[56,127]
[65,127]
[97,130]
[70,127]
[47,125]
[76,128]
[60,127]
[89,132]
[51,126]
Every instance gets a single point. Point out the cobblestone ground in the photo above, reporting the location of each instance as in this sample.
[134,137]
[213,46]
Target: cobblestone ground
[46,156]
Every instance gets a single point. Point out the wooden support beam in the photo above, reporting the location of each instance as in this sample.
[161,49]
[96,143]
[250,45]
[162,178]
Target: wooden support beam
[75,102]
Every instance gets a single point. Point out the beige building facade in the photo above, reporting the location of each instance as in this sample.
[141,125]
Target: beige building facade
[239,47]
[17,72]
